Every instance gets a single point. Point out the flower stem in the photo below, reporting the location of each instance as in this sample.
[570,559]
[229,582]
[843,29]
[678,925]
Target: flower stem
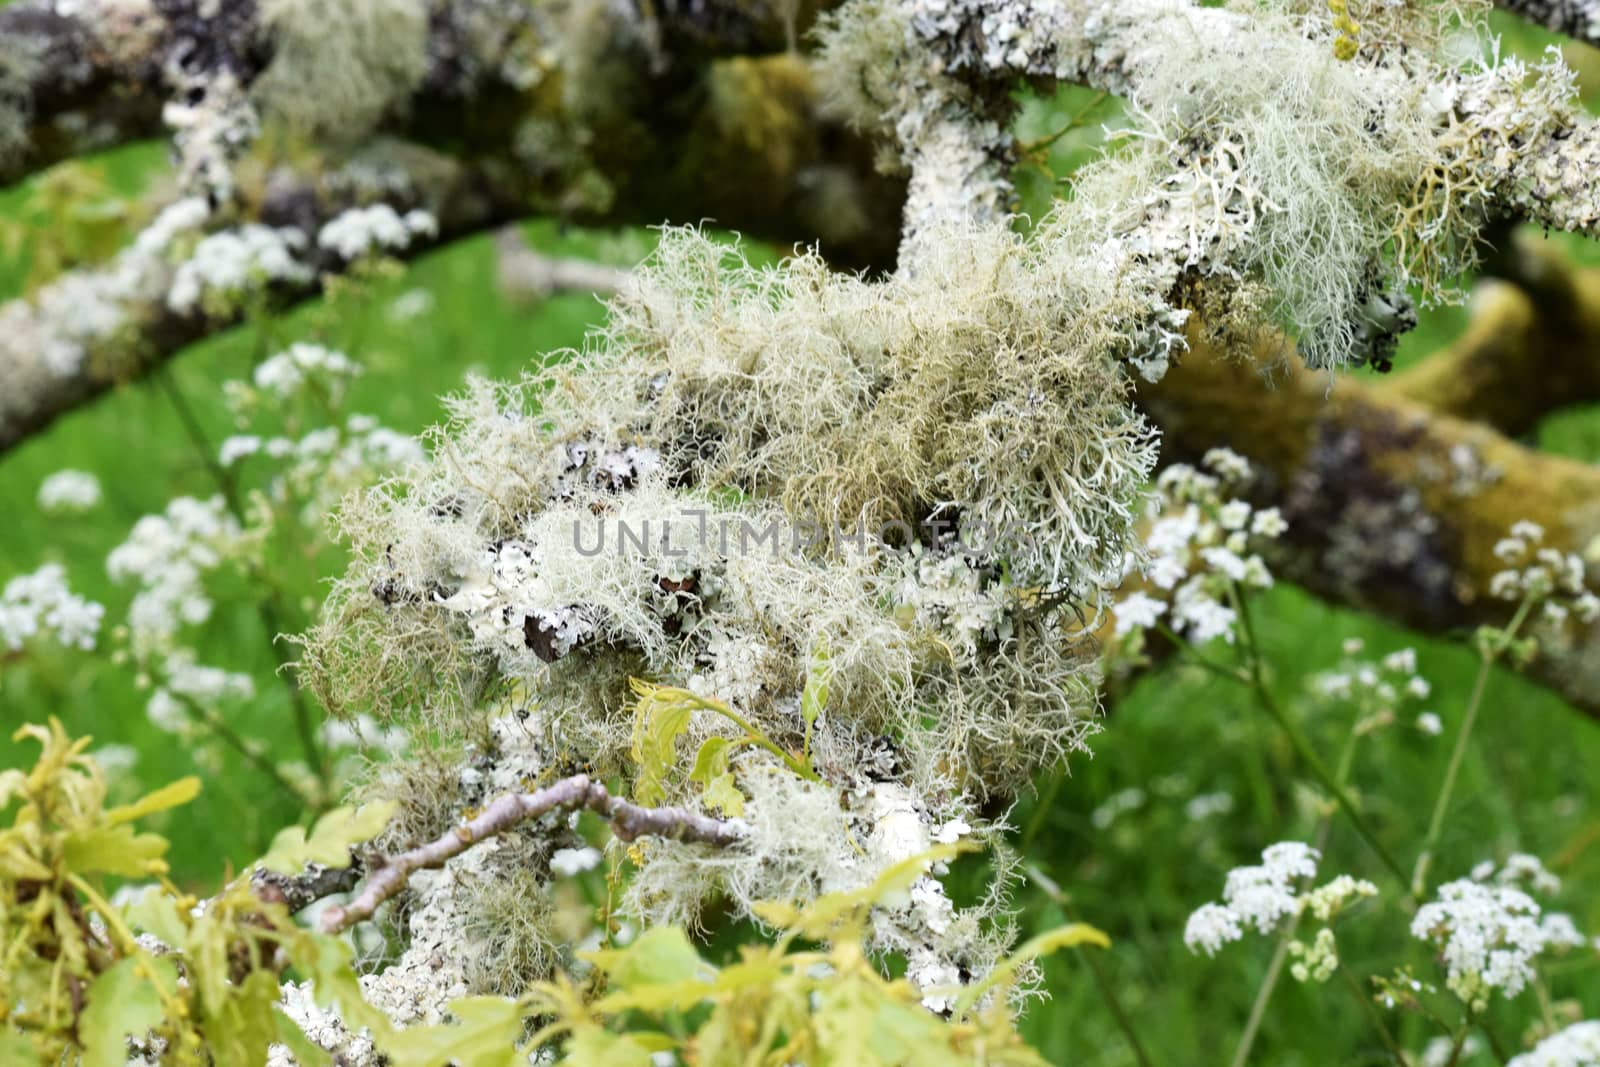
[1441,805]
[270,607]
[1303,749]
[1376,1016]
[1102,981]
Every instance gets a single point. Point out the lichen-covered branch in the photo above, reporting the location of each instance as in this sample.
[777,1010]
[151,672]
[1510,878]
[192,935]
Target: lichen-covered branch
[1392,508]
[94,73]
[302,890]
[628,820]
[1529,350]
[1578,19]
[740,142]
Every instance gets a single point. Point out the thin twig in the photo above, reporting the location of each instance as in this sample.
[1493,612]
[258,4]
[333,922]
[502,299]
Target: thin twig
[628,821]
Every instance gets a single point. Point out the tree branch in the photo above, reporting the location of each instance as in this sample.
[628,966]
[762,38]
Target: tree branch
[1578,19]
[1532,346]
[1392,508]
[742,143]
[628,821]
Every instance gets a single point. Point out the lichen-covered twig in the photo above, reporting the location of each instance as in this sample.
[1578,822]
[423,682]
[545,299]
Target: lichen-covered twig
[1392,508]
[628,821]
[525,275]
[302,890]
[97,327]
[1578,19]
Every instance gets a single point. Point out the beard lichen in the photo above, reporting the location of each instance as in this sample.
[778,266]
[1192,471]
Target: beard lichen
[922,483]
[340,66]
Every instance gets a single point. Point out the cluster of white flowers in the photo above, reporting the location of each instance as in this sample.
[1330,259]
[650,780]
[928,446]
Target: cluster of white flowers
[326,463]
[41,604]
[1116,805]
[1576,1046]
[86,308]
[227,265]
[1379,689]
[187,684]
[1265,896]
[1547,577]
[570,862]
[166,555]
[1201,547]
[359,230]
[69,492]
[1488,934]
[292,369]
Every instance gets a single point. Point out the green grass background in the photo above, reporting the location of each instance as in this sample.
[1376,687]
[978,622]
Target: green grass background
[1527,783]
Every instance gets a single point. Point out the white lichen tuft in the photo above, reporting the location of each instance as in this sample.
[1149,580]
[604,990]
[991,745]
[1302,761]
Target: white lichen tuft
[340,66]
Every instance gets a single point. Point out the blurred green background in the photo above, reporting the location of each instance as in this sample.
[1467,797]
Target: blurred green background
[1527,784]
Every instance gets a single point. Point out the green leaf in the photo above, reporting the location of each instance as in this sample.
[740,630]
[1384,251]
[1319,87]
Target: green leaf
[594,1047]
[330,840]
[824,915]
[169,796]
[858,1021]
[17,1047]
[124,1000]
[711,770]
[662,955]
[814,697]
[329,963]
[245,1023]
[659,719]
[307,1053]
[112,850]
[156,913]
[1070,936]
[484,1034]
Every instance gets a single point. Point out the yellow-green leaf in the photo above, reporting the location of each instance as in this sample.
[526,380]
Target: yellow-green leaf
[169,796]
[662,955]
[156,913]
[594,1047]
[124,1000]
[330,839]
[1069,936]
[484,1034]
[112,850]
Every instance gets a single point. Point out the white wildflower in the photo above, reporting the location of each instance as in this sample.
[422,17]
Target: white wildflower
[1210,927]
[238,447]
[1269,523]
[1137,611]
[41,604]
[568,862]
[1576,1046]
[68,492]
[1488,936]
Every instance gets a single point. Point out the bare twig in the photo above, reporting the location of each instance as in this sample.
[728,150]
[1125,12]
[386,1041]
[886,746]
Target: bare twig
[628,820]
[526,276]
